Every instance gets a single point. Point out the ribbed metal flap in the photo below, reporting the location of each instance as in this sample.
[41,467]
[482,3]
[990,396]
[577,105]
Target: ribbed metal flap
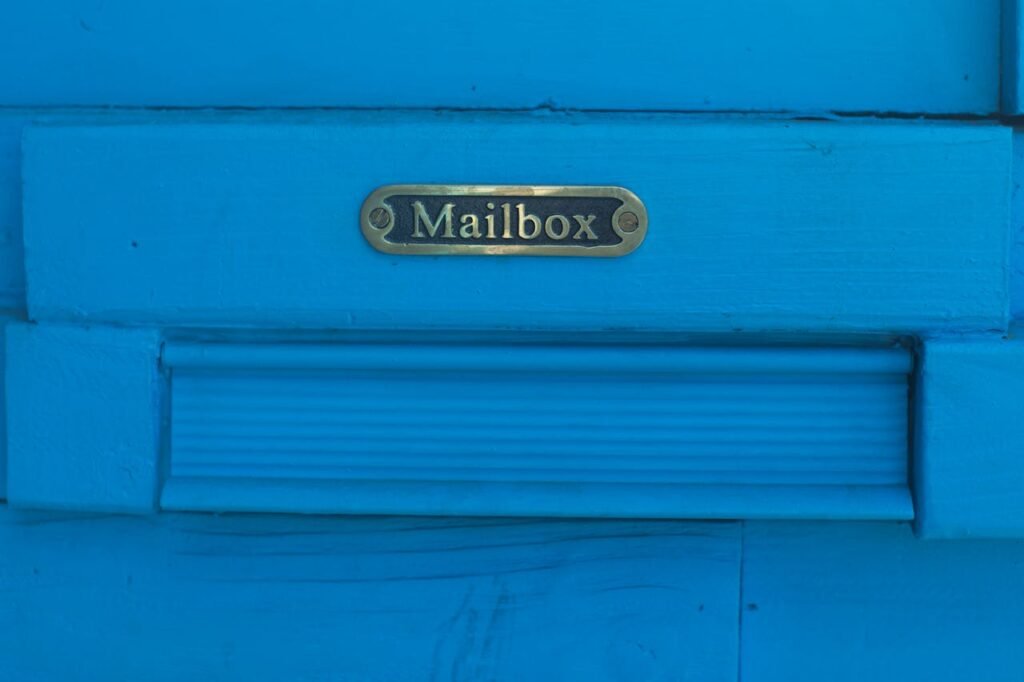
[606,431]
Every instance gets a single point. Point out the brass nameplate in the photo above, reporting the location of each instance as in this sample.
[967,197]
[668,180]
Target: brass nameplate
[505,220]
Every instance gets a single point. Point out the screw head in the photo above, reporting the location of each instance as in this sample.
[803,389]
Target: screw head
[380,218]
[628,221]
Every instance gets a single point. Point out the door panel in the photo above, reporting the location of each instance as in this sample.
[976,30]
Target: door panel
[871,602]
[776,55]
[282,597]
[211,381]
[754,226]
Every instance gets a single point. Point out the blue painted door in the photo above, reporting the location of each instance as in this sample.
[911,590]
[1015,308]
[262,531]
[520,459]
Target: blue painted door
[779,441]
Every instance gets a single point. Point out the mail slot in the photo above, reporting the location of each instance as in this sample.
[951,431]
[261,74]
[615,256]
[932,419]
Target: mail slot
[566,430]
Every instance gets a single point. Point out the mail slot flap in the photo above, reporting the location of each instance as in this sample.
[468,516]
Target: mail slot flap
[538,430]
[752,226]
[939,56]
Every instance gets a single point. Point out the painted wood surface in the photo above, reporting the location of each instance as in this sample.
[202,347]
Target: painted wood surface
[1012,76]
[939,56]
[261,597]
[855,602]
[535,430]
[13,121]
[12,257]
[1017,230]
[269,598]
[83,417]
[969,439]
[247,220]
[3,412]
[754,226]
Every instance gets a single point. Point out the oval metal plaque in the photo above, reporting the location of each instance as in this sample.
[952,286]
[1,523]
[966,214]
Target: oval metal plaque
[504,220]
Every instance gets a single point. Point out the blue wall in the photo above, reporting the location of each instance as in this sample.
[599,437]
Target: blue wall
[844,173]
